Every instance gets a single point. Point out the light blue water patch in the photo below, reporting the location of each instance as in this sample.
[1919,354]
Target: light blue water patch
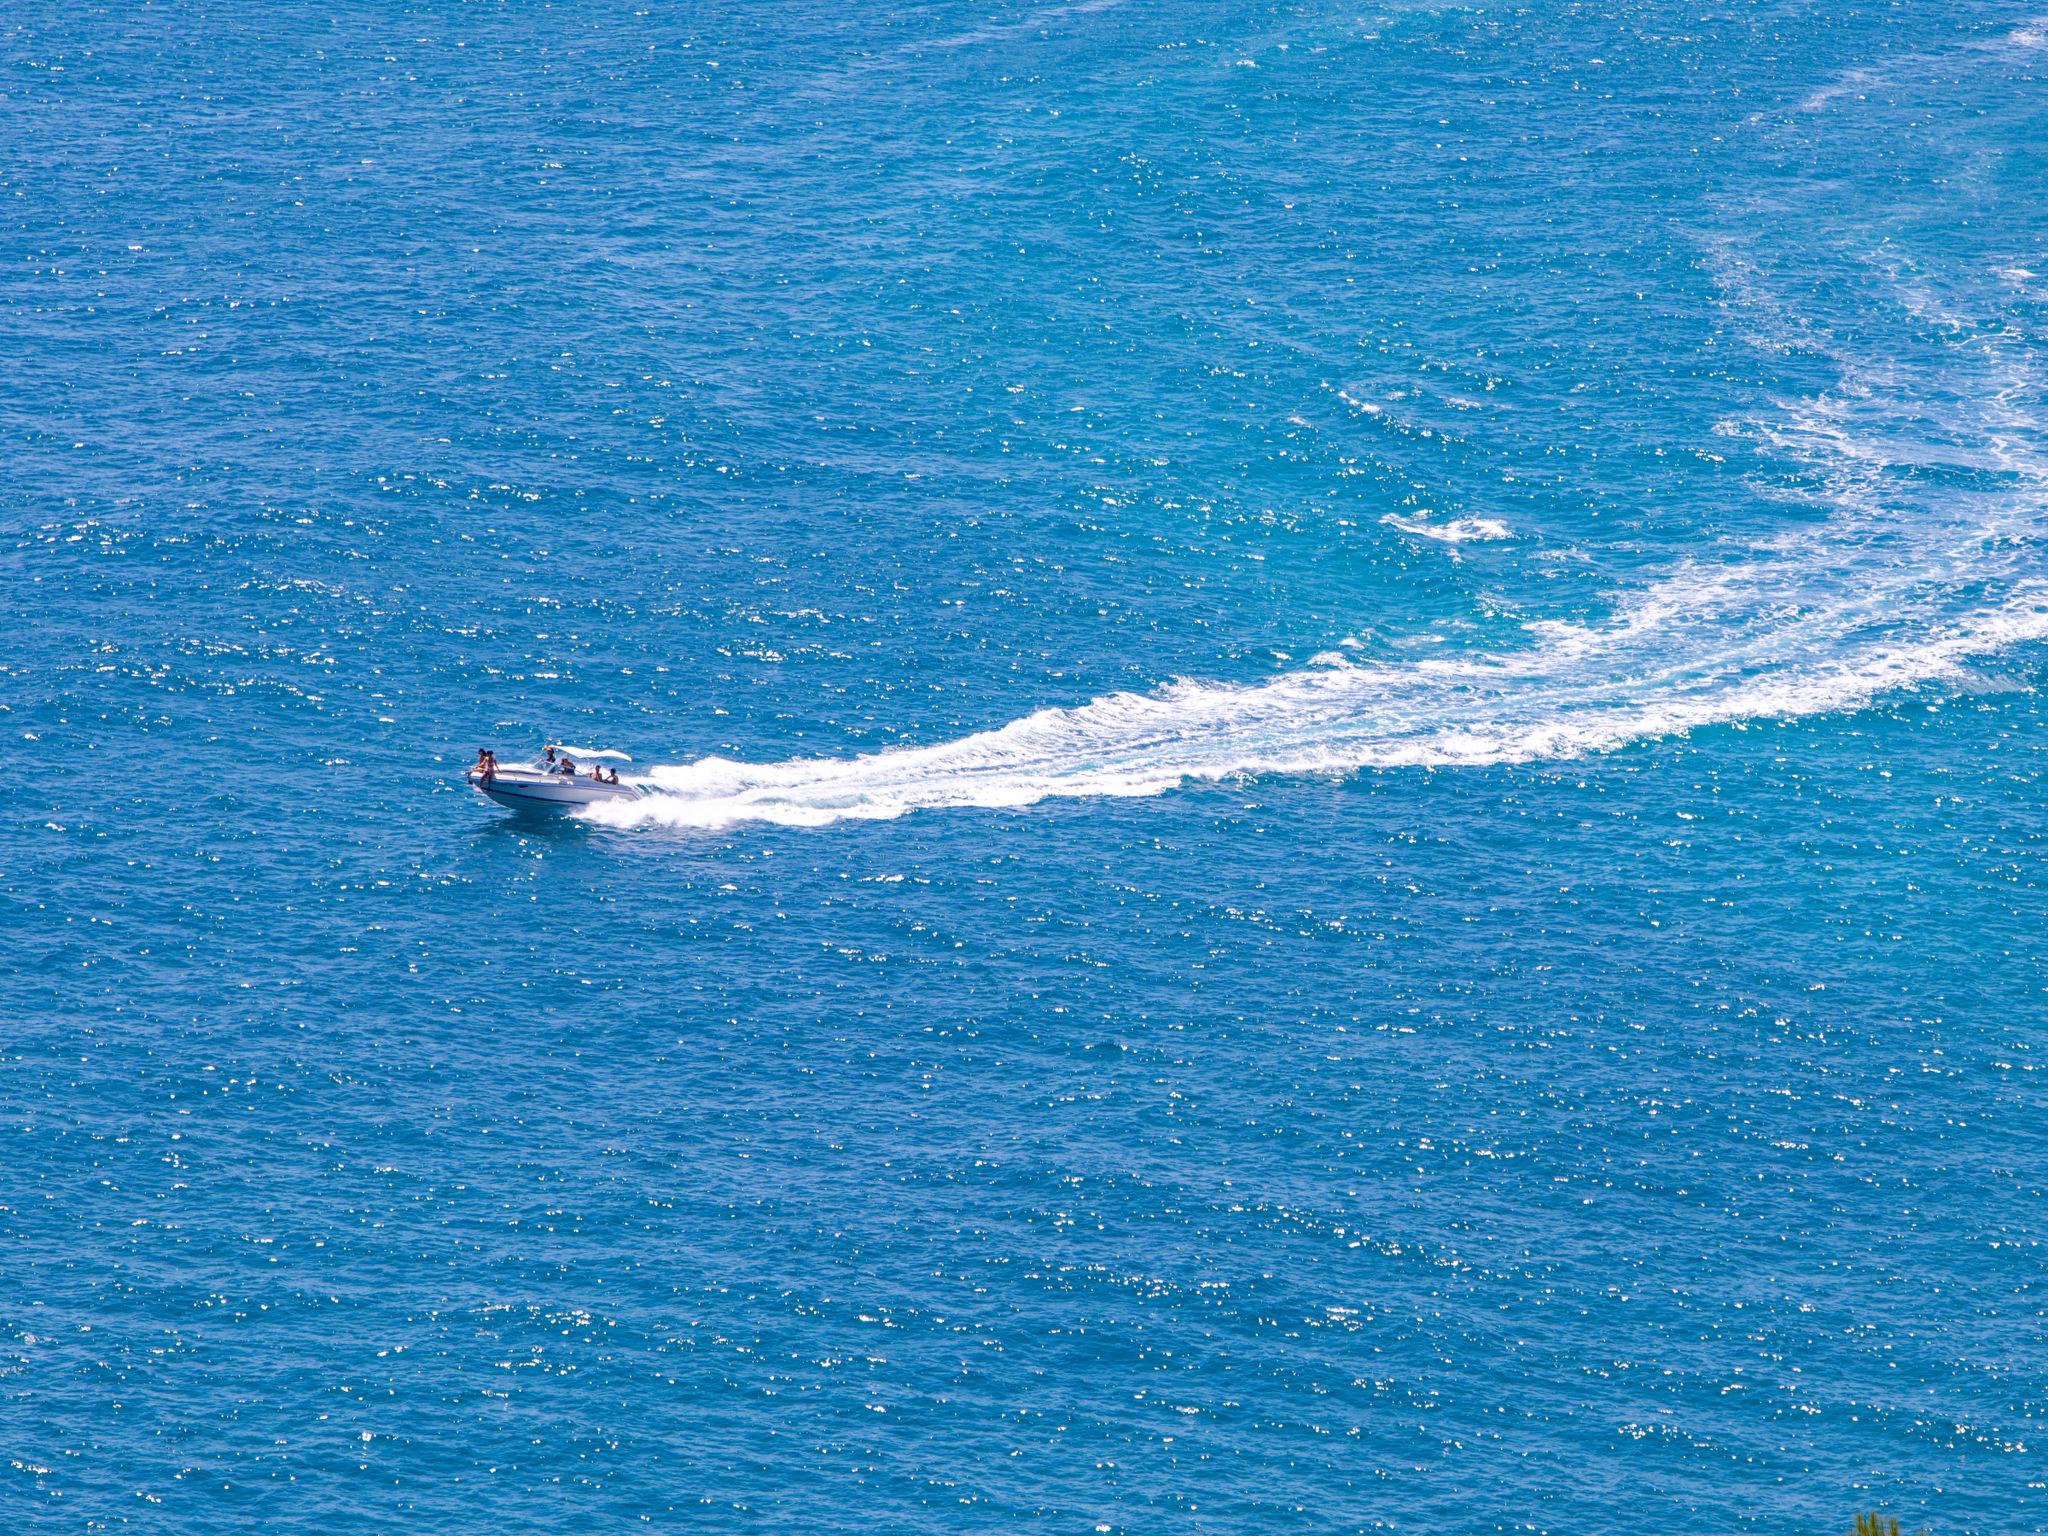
[1342,728]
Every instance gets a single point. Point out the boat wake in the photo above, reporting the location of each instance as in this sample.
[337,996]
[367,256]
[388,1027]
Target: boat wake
[1588,691]
[1924,459]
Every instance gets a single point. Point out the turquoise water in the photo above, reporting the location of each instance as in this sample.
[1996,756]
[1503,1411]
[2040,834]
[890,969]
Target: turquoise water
[1346,728]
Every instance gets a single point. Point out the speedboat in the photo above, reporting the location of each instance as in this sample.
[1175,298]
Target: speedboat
[546,788]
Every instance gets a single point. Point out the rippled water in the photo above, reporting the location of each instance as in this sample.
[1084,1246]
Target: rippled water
[1343,720]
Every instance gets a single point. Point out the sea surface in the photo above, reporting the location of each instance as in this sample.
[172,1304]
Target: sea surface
[1345,710]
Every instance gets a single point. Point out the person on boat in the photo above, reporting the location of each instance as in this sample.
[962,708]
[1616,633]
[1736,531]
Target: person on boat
[486,764]
[611,775]
[566,765]
[547,759]
[597,772]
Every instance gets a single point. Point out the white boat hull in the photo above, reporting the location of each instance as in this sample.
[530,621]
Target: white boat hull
[547,794]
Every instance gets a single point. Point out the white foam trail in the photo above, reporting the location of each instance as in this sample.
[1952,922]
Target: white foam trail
[1585,692]
[1900,586]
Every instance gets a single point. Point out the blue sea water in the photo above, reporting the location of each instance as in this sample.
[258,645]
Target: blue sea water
[1345,710]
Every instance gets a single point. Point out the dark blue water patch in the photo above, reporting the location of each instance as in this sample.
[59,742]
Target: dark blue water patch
[1572,1143]
[1520,1116]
